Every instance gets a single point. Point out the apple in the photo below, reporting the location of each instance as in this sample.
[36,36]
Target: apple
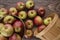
[29,24]
[2,38]
[32,13]
[13,11]
[7,30]
[28,34]
[47,20]
[8,19]
[1,26]
[20,5]
[38,20]
[15,37]
[3,11]
[17,26]
[41,11]
[41,27]
[22,15]
[1,17]
[29,4]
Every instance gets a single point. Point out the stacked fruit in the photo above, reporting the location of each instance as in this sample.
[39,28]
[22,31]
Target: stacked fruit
[10,27]
[32,18]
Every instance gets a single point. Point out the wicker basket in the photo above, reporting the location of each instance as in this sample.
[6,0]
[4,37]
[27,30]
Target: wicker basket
[52,31]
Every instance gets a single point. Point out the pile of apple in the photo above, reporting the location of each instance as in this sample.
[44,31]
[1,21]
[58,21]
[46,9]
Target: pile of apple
[10,27]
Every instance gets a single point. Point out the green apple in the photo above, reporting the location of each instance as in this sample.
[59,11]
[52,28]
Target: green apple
[29,4]
[47,20]
[32,13]
[7,31]
[22,15]
[28,33]
[3,11]
[1,26]
[13,11]
[8,19]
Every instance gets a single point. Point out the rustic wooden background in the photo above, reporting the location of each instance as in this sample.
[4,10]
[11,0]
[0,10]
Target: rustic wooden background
[50,6]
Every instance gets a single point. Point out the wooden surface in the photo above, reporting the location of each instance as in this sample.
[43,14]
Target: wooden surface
[50,6]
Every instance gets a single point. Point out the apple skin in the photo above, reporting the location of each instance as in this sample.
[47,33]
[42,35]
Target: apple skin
[47,20]
[22,15]
[38,20]
[13,11]
[7,31]
[8,19]
[1,17]
[28,34]
[15,37]
[29,24]
[3,11]
[41,27]
[2,38]
[17,26]
[1,26]
[41,11]
[30,4]
[32,13]
[20,6]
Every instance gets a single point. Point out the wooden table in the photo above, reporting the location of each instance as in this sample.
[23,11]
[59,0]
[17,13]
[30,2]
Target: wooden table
[50,6]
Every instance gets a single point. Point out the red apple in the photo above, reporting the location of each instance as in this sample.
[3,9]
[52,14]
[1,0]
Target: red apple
[17,26]
[38,20]
[29,24]
[41,11]
[41,27]
[15,37]
[13,11]
[20,5]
